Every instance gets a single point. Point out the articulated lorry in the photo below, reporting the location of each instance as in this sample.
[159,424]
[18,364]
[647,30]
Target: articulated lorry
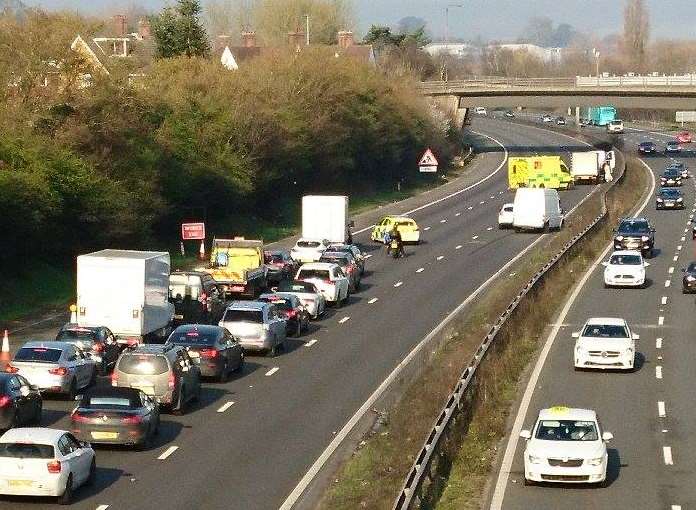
[238,266]
[126,291]
[601,115]
[326,217]
[538,172]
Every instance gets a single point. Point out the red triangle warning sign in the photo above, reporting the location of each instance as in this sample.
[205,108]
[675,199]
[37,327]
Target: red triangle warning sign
[428,159]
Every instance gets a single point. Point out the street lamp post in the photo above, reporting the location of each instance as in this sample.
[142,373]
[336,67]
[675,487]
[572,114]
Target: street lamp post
[447,50]
[596,56]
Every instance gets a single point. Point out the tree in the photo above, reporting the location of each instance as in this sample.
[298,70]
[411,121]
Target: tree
[178,31]
[539,31]
[636,32]
[563,35]
[381,36]
[410,24]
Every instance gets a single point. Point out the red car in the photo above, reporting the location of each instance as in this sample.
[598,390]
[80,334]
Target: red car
[684,137]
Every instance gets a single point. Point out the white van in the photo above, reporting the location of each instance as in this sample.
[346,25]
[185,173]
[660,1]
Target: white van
[537,209]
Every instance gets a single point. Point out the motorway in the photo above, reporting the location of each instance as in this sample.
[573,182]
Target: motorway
[649,411]
[250,441]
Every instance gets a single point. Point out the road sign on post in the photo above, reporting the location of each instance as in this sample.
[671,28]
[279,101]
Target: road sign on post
[428,162]
[686,117]
[192,231]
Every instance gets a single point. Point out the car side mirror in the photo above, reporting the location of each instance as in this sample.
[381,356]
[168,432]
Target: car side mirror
[607,436]
[636,337]
[575,334]
[526,434]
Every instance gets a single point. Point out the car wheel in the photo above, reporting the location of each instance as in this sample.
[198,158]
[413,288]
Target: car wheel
[273,351]
[298,329]
[66,497]
[224,372]
[37,414]
[92,473]
[72,392]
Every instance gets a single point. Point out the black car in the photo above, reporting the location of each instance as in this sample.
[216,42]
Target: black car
[635,234]
[20,402]
[669,198]
[290,307]
[280,265]
[560,121]
[98,341]
[196,298]
[689,279]
[213,348]
[671,177]
[647,147]
[681,167]
[111,415]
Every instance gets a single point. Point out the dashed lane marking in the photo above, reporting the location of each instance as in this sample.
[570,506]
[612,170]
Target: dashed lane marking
[679,247]
[104,507]
[368,255]
[670,270]
[668,283]
[683,239]
[458,247]
[225,407]
[311,342]
[660,321]
[398,284]
[489,228]
[440,257]
[658,372]
[168,452]
[373,300]
[664,300]
[658,343]
[420,270]
[676,507]
[344,320]
[426,228]
[474,237]
[443,221]
[482,202]
[676,257]
[272,371]
[661,412]
[470,207]
[667,454]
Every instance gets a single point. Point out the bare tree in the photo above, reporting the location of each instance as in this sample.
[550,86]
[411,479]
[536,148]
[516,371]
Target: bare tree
[636,32]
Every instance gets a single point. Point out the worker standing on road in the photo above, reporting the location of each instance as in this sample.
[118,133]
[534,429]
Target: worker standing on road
[606,167]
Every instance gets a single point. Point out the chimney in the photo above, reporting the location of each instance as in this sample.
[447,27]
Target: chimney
[144,28]
[249,39]
[222,41]
[296,40]
[345,39]
[120,25]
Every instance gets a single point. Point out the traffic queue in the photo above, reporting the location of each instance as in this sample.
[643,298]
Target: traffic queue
[153,335]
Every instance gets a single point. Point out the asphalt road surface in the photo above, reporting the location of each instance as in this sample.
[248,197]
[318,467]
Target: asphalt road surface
[284,411]
[650,411]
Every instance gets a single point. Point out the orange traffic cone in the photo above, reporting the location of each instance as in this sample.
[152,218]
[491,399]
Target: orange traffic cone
[201,251]
[5,352]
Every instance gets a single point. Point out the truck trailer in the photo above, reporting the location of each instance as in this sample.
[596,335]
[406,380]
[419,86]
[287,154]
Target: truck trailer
[325,217]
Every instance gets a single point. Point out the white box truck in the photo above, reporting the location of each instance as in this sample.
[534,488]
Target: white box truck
[537,209]
[126,291]
[585,166]
[326,217]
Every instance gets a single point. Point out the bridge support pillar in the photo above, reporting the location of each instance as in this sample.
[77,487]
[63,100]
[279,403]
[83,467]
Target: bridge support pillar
[577,115]
[451,106]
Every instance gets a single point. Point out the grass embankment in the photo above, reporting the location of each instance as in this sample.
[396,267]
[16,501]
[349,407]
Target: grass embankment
[375,473]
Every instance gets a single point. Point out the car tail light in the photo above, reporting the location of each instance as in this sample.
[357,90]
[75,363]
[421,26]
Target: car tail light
[54,466]
[171,381]
[98,347]
[208,353]
[80,418]
[291,314]
[58,371]
[5,401]
[11,370]
[114,378]
[203,298]
[131,420]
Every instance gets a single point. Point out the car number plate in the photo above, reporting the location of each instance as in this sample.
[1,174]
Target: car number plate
[104,435]
[20,483]
[178,316]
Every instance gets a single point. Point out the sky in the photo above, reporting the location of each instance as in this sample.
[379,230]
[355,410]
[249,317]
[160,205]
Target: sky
[492,19]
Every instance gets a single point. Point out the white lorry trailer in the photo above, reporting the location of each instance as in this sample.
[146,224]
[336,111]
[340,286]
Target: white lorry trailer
[126,291]
[585,166]
[326,217]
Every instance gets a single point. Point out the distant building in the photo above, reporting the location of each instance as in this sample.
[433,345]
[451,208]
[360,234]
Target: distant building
[548,55]
[435,49]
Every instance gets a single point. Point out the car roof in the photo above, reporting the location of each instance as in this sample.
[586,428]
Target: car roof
[318,265]
[605,321]
[150,349]
[625,252]
[567,413]
[190,273]
[670,190]
[277,252]
[336,254]
[309,239]
[247,305]
[634,220]
[48,344]
[39,435]
[398,218]
[203,328]
[278,295]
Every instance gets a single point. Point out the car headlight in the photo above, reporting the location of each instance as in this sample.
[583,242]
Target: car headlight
[660,200]
[619,238]
[645,238]
[534,460]
[595,462]
[690,278]
[680,199]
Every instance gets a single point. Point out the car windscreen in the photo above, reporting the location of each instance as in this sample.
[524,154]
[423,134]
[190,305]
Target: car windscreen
[71,335]
[320,274]
[404,224]
[192,338]
[625,260]
[671,172]
[605,331]
[38,354]
[252,316]
[182,285]
[286,286]
[670,193]
[341,261]
[507,208]
[691,268]
[308,244]
[280,303]
[634,227]
[143,364]
[566,430]
[275,258]
[27,451]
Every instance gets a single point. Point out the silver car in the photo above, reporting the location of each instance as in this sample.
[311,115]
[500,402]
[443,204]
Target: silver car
[258,326]
[54,367]
[309,295]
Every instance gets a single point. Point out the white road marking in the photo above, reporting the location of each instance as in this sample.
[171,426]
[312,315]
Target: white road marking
[420,270]
[668,283]
[373,300]
[500,192]
[272,371]
[459,214]
[676,507]
[443,221]
[660,321]
[686,230]
[458,247]
[398,284]
[679,247]
[440,257]
[311,342]
[225,407]
[676,257]
[344,320]
[664,300]
[658,372]
[474,237]
[489,228]
[470,208]
[368,255]
[667,454]
[482,202]
[492,197]
[670,270]
[683,239]
[426,228]
[658,343]
[661,412]
[104,507]
[168,452]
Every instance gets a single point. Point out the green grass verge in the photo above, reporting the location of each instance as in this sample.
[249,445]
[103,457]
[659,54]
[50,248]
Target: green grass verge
[44,287]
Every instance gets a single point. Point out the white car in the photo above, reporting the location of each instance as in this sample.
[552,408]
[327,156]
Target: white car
[308,294]
[605,343]
[505,216]
[480,110]
[615,126]
[546,118]
[625,268]
[329,280]
[566,445]
[44,462]
[308,250]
